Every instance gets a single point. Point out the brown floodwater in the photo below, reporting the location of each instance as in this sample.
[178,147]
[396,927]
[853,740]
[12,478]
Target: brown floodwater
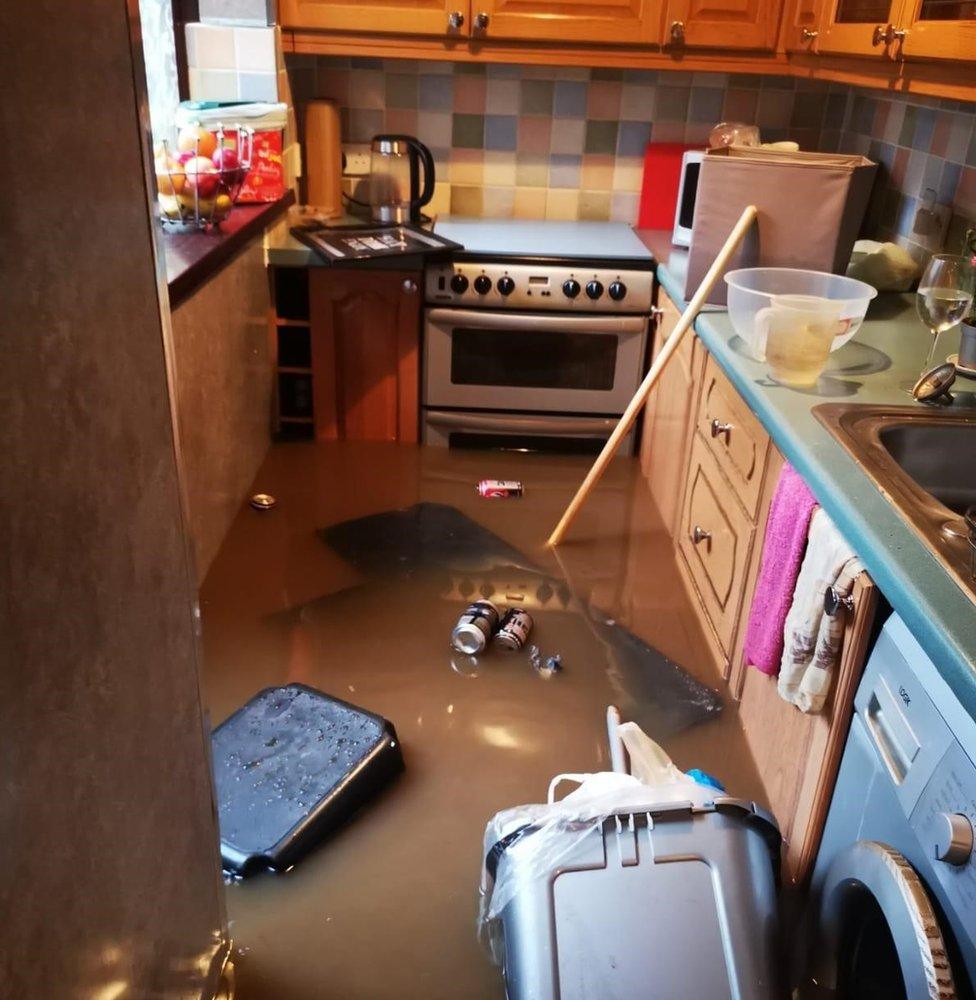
[387,906]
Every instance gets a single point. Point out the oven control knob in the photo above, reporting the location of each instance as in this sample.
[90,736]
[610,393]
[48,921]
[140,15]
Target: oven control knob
[482,284]
[571,288]
[459,283]
[617,290]
[954,838]
[593,289]
[506,285]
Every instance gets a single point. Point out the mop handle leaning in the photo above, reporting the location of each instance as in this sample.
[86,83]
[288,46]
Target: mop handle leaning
[651,378]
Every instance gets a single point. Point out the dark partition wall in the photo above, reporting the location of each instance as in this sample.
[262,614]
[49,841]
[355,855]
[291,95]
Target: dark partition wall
[109,877]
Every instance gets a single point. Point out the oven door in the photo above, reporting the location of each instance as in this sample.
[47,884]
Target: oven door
[532,362]
[516,432]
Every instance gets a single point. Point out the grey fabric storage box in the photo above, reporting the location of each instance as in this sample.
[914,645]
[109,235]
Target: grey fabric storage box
[675,902]
[811,206]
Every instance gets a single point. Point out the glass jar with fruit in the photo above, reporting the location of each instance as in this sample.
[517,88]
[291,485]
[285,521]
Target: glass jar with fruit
[199,180]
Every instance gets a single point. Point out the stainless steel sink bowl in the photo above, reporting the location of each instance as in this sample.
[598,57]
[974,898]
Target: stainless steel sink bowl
[924,462]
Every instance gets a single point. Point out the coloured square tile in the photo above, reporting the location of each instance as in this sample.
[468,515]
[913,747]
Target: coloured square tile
[597,172]
[603,100]
[601,137]
[534,134]
[332,84]
[367,89]
[501,132]
[536,97]
[669,131]
[363,124]
[400,121]
[401,90]
[254,50]
[671,103]
[499,168]
[775,109]
[628,173]
[213,84]
[257,87]
[594,205]
[637,102]
[467,166]
[468,131]
[567,136]
[510,71]
[469,69]
[498,202]
[706,105]
[924,128]
[712,80]
[562,203]
[808,110]
[640,76]
[435,128]
[210,46]
[949,182]
[632,138]
[436,93]
[564,171]
[965,202]
[469,94]
[606,73]
[960,132]
[531,170]
[502,96]
[623,206]
[530,203]
[907,136]
[466,200]
[569,99]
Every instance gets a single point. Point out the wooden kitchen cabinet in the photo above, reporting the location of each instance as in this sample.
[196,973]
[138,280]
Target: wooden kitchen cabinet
[620,22]
[669,420]
[722,24]
[938,29]
[365,346]
[402,17]
[857,27]
[802,22]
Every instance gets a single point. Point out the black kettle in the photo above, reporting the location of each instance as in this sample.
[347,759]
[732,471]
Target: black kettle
[395,194]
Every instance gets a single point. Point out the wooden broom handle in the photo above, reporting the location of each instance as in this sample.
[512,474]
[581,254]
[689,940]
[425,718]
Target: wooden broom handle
[650,379]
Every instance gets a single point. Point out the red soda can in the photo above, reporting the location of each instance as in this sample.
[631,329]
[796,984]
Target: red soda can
[499,488]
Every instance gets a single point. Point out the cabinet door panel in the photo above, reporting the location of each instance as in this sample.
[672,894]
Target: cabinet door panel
[620,21]
[365,371]
[851,26]
[722,24]
[404,17]
[801,31]
[939,29]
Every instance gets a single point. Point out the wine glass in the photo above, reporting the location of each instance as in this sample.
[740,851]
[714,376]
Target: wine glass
[945,295]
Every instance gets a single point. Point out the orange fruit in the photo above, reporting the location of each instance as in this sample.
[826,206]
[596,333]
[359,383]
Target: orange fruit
[196,139]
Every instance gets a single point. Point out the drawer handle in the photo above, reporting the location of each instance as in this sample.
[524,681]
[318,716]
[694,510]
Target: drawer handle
[699,534]
[719,428]
[835,601]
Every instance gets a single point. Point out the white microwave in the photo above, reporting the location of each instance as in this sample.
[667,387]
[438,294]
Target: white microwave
[684,210]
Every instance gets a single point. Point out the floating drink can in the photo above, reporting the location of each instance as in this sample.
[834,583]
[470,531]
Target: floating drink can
[475,627]
[499,488]
[514,629]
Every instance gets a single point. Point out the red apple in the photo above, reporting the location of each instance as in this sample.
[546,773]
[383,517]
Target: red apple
[202,176]
[226,158]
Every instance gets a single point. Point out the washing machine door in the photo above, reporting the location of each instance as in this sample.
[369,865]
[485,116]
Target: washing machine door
[877,935]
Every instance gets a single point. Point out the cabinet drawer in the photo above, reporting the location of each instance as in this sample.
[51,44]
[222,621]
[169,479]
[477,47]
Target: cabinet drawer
[718,560]
[735,437]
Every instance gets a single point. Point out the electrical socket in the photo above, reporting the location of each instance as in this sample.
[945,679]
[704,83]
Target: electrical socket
[357,161]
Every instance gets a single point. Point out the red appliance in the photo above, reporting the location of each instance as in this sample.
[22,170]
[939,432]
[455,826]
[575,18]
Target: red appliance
[659,188]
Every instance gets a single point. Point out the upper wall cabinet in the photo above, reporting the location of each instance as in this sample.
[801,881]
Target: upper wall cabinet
[801,25]
[618,22]
[938,29]
[857,27]
[722,24]
[419,17]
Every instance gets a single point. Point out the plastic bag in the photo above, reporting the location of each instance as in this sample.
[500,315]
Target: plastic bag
[540,836]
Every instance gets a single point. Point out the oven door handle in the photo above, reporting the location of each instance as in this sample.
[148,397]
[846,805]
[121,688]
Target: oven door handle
[564,426]
[575,323]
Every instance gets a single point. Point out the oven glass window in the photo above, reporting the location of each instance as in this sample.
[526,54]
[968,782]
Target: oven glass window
[533,359]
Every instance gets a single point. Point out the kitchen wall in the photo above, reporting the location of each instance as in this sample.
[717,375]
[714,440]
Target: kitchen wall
[926,149]
[552,142]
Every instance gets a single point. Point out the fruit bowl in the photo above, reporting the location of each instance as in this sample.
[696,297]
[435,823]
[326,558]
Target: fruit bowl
[753,289]
[199,180]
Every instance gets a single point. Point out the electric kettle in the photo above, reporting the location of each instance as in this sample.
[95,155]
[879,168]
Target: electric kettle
[394,182]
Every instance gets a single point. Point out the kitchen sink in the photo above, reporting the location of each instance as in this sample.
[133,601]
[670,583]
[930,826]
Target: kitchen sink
[924,463]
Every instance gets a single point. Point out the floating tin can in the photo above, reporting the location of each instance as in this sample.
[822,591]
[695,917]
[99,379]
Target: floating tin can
[475,627]
[514,629]
[499,488]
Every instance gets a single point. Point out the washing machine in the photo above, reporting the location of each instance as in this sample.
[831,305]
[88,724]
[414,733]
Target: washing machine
[893,895]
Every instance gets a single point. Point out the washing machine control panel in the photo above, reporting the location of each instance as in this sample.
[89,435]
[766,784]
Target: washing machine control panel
[944,820]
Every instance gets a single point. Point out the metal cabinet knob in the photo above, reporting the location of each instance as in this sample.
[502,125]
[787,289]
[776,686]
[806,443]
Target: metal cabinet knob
[834,602]
[896,34]
[717,428]
[880,35]
[455,20]
[808,35]
[409,286]
[677,32]
[699,534]
[481,21]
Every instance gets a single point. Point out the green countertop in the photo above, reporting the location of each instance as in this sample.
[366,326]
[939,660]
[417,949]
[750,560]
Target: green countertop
[873,368]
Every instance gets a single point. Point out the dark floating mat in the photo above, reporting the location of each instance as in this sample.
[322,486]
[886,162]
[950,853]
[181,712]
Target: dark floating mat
[289,767]
[436,542]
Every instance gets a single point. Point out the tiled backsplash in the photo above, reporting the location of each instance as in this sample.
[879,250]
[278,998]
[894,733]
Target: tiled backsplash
[552,142]
[566,142]
[229,63]
[926,150]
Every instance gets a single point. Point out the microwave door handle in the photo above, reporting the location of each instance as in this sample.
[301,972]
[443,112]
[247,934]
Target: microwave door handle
[564,426]
[582,323]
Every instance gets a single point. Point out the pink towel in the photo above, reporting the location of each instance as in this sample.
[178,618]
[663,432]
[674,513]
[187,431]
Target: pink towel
[786,538]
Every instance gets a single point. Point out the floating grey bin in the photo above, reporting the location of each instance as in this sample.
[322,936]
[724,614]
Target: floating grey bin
[677,902]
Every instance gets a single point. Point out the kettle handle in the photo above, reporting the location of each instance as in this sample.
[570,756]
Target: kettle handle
[428,161]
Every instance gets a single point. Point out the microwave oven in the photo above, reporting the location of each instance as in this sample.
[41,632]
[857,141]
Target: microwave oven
[684,211]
